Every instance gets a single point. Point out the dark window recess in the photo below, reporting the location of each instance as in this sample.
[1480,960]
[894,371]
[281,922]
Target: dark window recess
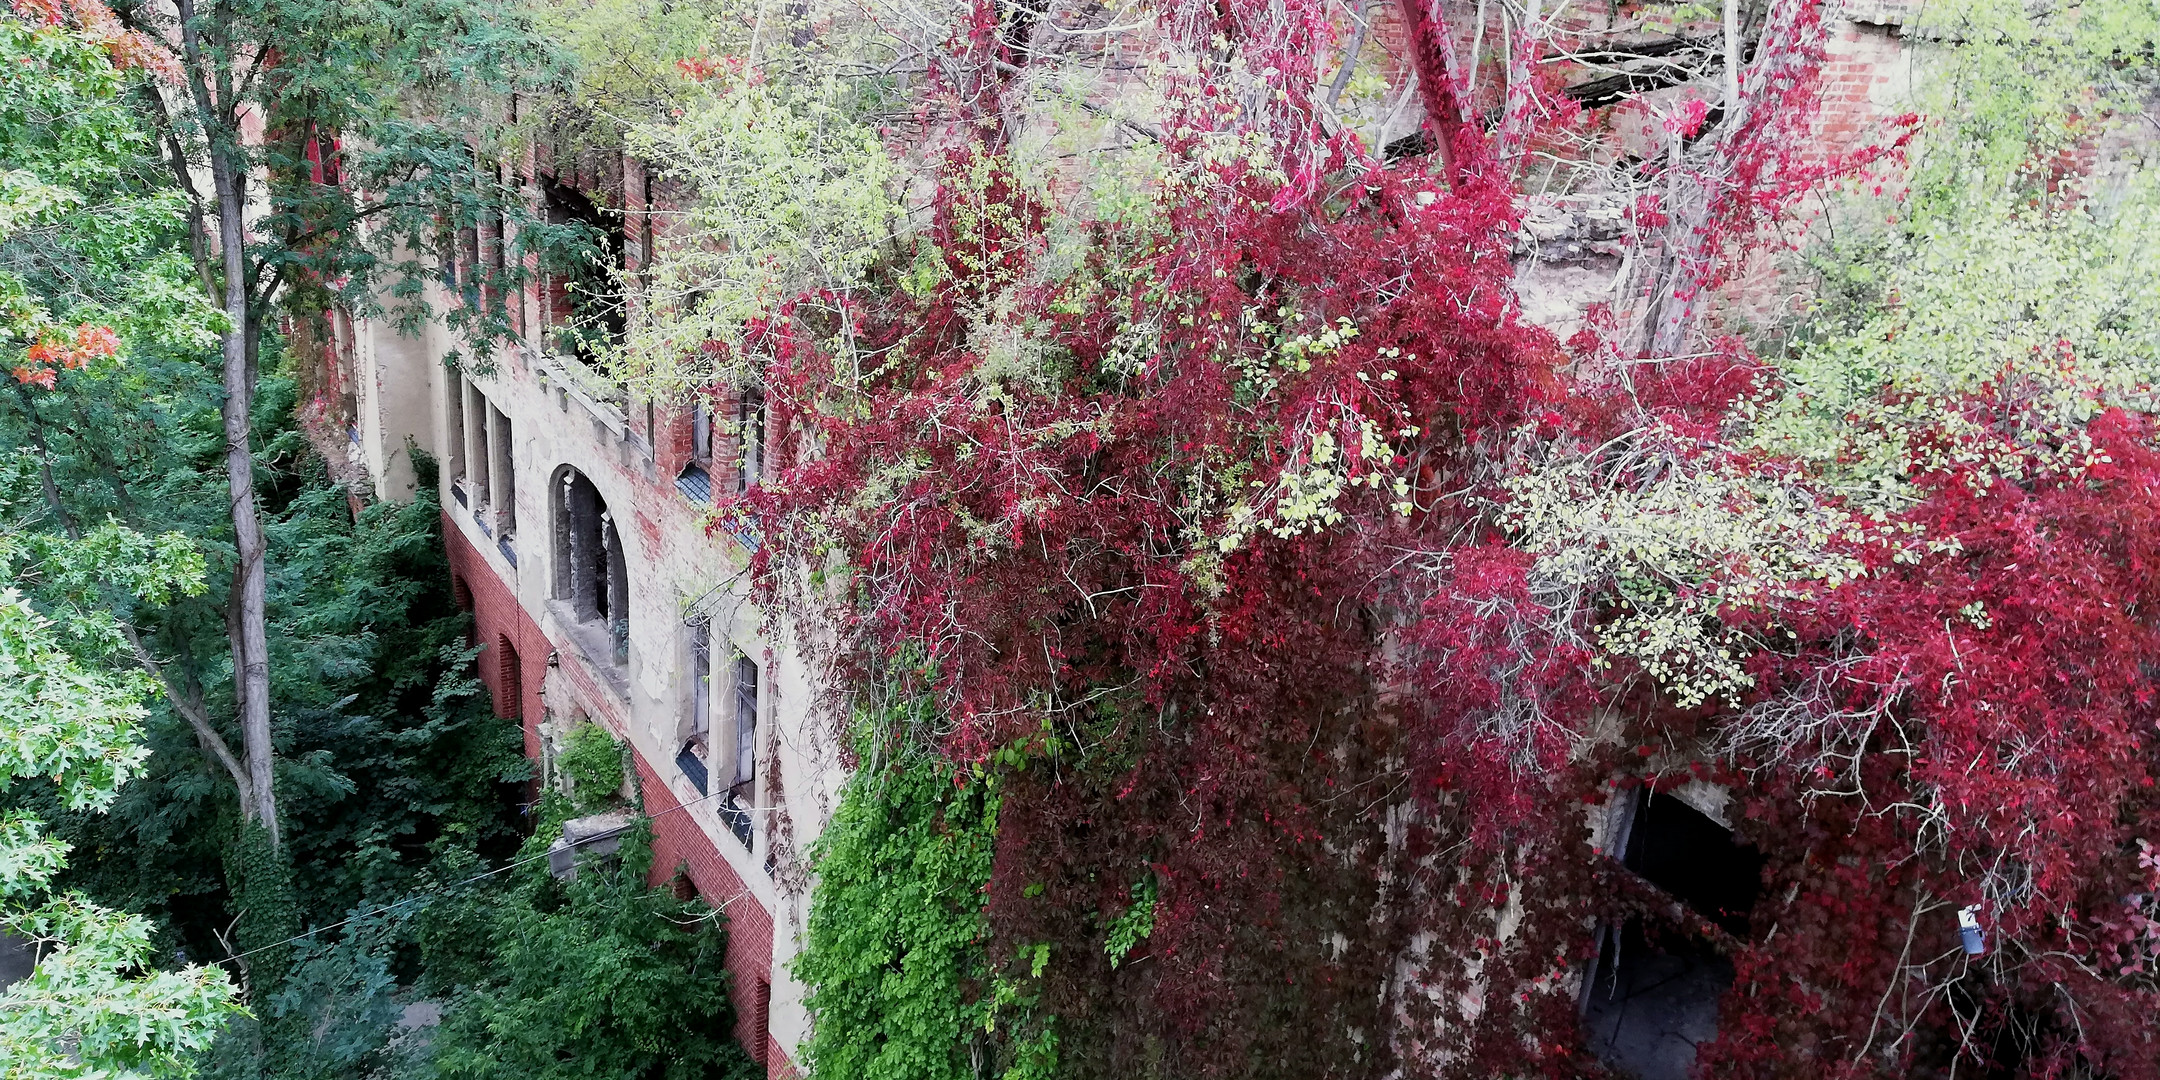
[695,483]
[742,790]
[510,677]
[738,820]
[1415,144]
[750,425]
[691,759]
[1652,997]
[763,1005]
[742,532]
[615,593]
[746,711]
[700,432]
[584,272]
[694,769]
[1682,851]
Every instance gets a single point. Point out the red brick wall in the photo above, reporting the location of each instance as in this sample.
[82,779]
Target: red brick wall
[1861,62]
[678,843]
[680,846]
[498,617]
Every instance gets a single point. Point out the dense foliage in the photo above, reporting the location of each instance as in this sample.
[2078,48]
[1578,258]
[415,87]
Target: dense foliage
[88,1007]
[894,949]
[600,976]
[592,761]
[1227,481]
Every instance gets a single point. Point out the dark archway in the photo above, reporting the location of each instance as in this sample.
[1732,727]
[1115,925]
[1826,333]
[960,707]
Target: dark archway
[591,575]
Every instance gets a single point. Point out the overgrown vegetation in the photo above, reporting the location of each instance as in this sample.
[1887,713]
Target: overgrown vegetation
[897,947]
[600,976]
[1226,478]
[592,761]
[1253,598]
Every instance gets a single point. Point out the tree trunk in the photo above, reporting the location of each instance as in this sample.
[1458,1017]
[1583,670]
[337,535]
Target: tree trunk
[250,640]
[220,114]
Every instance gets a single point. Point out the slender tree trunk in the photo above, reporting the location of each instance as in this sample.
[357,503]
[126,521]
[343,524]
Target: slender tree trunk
[250,640]
[220,114]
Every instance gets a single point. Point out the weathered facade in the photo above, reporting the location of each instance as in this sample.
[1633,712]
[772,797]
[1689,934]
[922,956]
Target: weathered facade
[579,526]
[578,534]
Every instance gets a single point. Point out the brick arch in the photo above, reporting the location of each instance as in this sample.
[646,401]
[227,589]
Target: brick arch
[509,680]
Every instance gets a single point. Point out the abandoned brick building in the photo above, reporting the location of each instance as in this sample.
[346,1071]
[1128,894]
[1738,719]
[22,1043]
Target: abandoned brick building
[577,521]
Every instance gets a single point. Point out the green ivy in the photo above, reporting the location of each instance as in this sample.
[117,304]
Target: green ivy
[597,977]
[593,761]
[896,954]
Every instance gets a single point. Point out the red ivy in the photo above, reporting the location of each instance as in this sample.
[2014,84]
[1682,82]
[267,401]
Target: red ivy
[1304,749]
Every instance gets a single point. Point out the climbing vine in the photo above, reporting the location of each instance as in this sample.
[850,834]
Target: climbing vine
[897,950]
[1327,596]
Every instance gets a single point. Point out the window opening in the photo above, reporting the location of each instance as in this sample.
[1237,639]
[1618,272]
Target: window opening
[585,300]
[763,1029]
[510,681]
[454,413]
[1652,998]
[750,423]
[476,451]
[502,477]
[695,483]
[700,432]
[615,590]
[746,710]
[498,259]
[590,575]
[467,272]
[696,753]
[742,789]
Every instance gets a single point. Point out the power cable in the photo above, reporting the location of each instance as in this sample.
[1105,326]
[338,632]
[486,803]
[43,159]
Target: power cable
[440,889]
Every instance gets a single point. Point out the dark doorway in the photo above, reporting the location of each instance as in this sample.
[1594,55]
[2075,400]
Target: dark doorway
[1652,997]
[1680,850]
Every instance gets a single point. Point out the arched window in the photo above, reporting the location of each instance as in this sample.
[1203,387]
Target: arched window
[591,579]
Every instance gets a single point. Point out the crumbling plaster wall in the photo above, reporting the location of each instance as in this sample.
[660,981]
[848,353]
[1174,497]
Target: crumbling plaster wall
[1571,250]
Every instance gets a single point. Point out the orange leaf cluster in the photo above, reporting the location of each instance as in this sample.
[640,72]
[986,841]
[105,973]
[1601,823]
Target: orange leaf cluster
[129,49]
[44,360]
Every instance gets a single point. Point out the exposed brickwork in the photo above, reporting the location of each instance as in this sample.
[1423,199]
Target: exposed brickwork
[499,618]
[680,847]
[1860,81]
